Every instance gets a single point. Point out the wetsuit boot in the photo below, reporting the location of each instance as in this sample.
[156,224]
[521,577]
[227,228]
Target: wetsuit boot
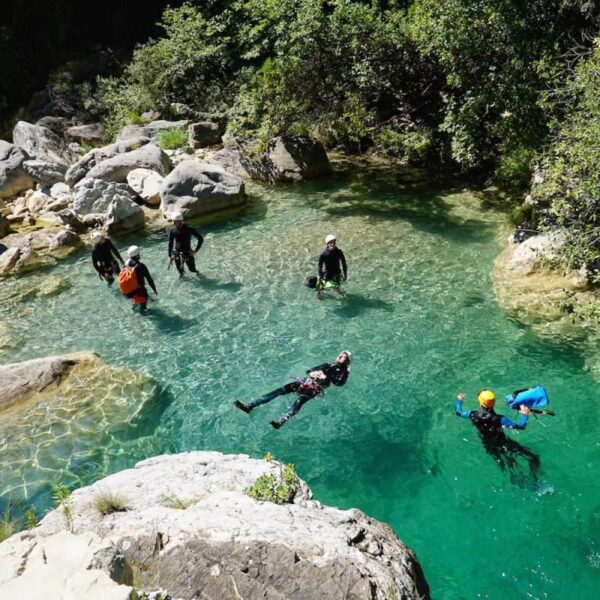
[277,424]
[245,407]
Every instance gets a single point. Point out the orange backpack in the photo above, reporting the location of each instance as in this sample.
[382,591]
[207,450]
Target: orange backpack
[128,282]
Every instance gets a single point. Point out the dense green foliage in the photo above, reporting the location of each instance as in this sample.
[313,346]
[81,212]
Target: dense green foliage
[569,195]
[458,81]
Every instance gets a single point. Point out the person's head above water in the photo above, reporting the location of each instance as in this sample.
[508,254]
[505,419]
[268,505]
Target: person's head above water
[330,240]
[133,252]
[344,357]
[486,398]
[177,219]
[96,237]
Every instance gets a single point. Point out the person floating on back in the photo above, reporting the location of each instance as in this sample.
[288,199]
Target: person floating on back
[318,379]
[180,245]
[332,268]
[133,277]
[105,257]
[503,449]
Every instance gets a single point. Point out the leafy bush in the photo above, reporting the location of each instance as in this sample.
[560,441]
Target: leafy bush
[514,170]
[413,146]
[277,488]
[173,139]
[108,503]
[569,194]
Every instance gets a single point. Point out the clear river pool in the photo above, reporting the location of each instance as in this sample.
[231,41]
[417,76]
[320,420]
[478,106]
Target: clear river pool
[422,322]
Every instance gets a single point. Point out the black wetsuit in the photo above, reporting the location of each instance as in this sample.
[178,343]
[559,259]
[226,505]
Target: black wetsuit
[329,265]
[142,275]
[106,259]
[181,239]
[307,389]
[502,448]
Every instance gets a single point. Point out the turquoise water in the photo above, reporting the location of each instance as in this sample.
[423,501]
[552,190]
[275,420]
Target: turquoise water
[422,322]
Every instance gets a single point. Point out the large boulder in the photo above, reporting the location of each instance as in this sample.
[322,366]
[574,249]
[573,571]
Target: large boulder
[151,130]
[228,158]
[41,143]
[535,252]
[204,133]
[43,172]
[94,157]
[287,158]
[117,167]
[93,134]
[57,125]
[186,526]
[13,177]
[194,188]
[146,184]
[113,200]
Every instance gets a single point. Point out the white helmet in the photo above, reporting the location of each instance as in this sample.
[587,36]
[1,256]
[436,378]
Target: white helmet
[96,237]
[176,217]
[133,251]
[330,238]
[348,354]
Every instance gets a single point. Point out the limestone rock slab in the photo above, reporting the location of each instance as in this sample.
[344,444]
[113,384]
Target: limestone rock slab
[194,188]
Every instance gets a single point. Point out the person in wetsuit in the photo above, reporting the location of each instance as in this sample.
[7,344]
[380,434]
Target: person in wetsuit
[140,294]
[497,444]
[319,378]
[180,244]
[332,267]
[105,257]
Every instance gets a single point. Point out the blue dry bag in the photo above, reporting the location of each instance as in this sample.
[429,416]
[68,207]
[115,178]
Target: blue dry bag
[532,398]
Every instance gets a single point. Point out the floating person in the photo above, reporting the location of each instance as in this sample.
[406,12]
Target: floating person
[318,379]
[133,277]
[180,245]
[332,268]
[503,449]
[105,257]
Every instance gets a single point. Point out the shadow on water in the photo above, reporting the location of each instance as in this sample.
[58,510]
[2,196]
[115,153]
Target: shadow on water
[214,285]
[169,323]
[353,305]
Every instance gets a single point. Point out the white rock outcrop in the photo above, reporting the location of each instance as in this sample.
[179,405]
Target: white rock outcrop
[194,189]
[114,201]
[146,184]
[184,524]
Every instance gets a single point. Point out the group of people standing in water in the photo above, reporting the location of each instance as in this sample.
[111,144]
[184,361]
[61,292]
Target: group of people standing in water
[332,271]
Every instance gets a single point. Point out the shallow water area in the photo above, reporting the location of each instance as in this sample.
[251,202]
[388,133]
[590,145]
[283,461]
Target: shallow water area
[422,321]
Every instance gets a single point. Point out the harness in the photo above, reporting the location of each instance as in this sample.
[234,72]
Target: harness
[308,385]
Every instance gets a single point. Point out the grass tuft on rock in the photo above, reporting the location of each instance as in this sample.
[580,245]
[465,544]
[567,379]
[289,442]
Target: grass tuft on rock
[108,503]
[173,139]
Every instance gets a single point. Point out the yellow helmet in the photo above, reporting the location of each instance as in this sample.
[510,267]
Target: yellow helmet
[487,398]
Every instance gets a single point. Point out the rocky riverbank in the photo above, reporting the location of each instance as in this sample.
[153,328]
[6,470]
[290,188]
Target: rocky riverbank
[184,525]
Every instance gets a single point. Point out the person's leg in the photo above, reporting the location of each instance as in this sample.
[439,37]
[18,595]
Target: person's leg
[286,389]
[294,409]
[178,260]
[190,261]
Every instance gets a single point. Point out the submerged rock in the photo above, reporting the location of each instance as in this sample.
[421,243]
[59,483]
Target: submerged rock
[184,524]
[19,381]
[70,412]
